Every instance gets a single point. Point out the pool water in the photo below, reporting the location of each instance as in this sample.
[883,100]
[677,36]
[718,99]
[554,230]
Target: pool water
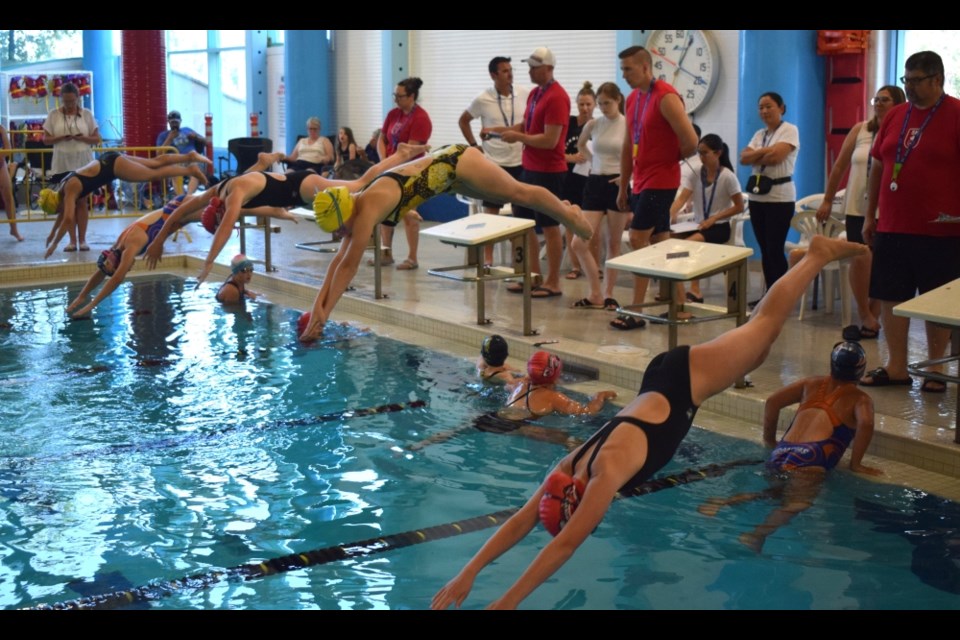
[168,437]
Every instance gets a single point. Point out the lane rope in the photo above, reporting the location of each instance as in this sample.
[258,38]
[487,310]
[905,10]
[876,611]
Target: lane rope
[163,588]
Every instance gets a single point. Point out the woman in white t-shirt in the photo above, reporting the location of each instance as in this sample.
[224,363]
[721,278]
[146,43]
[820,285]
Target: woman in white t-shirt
[72,131]
[772,153]
[855,154]
[716,198]
[313,152]
[600,192]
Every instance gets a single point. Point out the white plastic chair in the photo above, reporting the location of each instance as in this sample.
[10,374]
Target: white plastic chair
[805,222]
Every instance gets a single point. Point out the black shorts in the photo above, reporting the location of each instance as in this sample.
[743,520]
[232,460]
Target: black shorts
[854,225]
[552,182]
[600,194]
[719,233]
[651,210]
[515,174]
[573,186]
[905,263]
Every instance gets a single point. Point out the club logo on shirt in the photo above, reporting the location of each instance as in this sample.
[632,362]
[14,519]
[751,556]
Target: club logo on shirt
[913,138]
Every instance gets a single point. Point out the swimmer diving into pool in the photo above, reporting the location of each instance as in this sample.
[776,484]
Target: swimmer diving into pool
[833,413]
[260,190]
[642,438]
[62,199]
[455,168]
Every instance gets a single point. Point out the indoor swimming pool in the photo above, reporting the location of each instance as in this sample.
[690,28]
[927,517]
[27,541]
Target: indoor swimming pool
[165,446]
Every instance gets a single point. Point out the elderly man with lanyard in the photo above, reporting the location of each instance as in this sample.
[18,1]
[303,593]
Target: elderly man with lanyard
[500,105]
[916,241]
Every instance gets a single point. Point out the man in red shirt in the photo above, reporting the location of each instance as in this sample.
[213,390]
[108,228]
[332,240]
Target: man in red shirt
[916,240]
[543,133]
[659,135]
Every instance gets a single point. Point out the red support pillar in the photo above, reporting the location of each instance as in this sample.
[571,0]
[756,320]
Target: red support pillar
[144,81]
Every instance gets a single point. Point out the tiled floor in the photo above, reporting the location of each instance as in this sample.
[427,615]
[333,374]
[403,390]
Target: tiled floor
[912,427]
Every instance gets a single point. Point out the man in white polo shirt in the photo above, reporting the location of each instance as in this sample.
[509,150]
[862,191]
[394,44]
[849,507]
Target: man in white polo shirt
[500,105]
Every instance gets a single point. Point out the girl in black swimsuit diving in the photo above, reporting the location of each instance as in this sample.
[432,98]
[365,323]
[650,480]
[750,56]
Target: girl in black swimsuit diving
[643,436]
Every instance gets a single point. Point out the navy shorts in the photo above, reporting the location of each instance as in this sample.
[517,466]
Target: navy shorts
[651,210]
[854,226]
[904,263]
[552,182]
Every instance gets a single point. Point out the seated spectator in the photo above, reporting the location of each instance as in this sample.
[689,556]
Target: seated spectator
[184,139]
[313,152]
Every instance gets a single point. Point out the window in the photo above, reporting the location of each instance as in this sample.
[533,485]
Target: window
[19,46]
[944,42]
[207,73]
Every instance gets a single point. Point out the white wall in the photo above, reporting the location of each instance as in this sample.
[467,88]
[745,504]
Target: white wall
[358,70]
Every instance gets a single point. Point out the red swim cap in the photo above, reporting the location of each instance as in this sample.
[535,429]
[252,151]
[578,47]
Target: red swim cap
[544,368]
[211,216]
[560,499]
[302,322]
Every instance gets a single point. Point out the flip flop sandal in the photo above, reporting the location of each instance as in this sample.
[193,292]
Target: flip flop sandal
[584,303]
[573,274]
[933,386]
[692,298]
[627,323]
[544,293]
[880,378]
[866,333]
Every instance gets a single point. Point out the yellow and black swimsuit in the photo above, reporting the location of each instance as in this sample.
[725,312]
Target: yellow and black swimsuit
[438,177]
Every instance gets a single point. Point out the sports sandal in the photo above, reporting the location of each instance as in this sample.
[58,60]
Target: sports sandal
[584,303]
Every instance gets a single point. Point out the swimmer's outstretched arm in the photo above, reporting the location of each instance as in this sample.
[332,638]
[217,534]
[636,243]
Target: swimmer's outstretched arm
[600,491]
[864,413]
[775,403]
[91,284]
[567,406]
[341,271]
[127,259]
[189,205]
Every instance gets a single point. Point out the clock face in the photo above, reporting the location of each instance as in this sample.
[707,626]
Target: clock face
[688,61]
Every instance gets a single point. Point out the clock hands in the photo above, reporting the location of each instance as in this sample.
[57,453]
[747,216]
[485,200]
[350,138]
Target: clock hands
[682,56]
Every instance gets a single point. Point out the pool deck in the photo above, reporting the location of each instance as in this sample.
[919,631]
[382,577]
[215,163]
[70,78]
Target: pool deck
[913,443]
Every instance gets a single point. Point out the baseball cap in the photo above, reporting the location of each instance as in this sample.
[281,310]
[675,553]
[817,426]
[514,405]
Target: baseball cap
[540,57]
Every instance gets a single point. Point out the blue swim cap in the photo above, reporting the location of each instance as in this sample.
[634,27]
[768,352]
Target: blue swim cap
[848,361]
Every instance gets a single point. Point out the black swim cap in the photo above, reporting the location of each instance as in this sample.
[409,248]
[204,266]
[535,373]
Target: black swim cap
[848,361]
[494,350]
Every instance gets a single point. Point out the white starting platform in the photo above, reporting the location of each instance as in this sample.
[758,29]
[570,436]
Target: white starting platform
[476,232]
[673,261]
[333,245]
[940,306]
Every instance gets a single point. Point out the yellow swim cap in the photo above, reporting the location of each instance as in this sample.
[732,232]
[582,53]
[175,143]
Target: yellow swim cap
[332,207]
[49,200]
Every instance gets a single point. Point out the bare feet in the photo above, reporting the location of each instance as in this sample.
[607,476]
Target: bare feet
[197,157]
[830,249]
[198,174]
[15,233]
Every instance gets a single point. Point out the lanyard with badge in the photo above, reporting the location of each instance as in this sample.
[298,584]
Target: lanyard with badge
[533,104]
[905,149]
[638,118]
[707,206]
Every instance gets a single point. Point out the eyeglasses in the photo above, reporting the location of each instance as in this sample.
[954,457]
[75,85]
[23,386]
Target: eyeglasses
[401,95]
[313,128]
[904,80]
[881,100]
